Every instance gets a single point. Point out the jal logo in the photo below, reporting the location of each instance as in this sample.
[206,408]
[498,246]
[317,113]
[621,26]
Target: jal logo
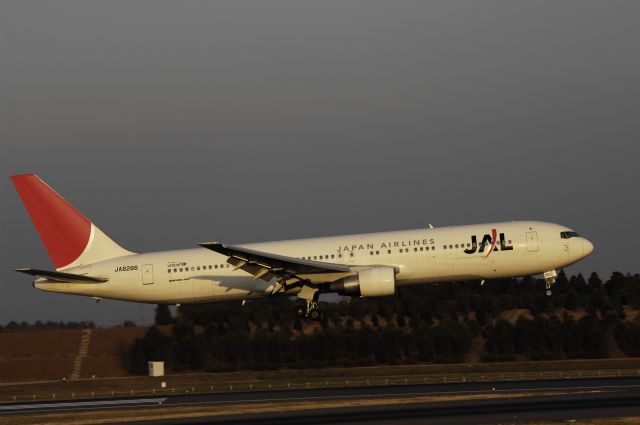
[490,242]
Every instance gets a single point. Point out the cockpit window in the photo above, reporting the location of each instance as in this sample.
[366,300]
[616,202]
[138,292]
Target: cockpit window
[568,235]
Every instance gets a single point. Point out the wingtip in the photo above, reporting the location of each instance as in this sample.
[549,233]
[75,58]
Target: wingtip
[213,243]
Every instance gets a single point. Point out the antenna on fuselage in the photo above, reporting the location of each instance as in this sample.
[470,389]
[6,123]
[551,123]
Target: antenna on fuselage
[430,226]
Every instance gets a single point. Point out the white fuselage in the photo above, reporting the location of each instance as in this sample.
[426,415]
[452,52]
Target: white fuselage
[512,249]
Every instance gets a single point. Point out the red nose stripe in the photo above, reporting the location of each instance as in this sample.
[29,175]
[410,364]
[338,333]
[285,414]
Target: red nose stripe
[64,230]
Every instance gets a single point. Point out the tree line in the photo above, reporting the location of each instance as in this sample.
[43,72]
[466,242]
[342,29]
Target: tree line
[39,325]
[447,323]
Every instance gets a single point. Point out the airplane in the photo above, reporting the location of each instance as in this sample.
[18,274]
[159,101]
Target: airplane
[89,263]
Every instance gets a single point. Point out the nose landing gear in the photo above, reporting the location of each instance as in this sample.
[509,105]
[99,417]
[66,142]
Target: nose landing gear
[549,280]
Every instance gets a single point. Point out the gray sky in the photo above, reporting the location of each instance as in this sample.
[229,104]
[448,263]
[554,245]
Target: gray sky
[170,123]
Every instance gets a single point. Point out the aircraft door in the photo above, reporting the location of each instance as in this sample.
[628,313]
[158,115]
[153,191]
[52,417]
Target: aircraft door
[147,274]
[565,245]
[346,257]
[532,241]
[351,257]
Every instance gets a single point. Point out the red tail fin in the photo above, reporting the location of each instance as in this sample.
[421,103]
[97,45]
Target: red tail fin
[64,230]
[66,233]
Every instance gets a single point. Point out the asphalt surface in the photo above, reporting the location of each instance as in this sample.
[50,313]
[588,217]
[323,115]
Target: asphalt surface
[478,412]
[587,398]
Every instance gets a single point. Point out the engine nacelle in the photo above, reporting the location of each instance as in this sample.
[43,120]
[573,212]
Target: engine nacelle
[372,282]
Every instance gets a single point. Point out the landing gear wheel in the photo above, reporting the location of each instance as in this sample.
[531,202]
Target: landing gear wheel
[309,310]
[549,280]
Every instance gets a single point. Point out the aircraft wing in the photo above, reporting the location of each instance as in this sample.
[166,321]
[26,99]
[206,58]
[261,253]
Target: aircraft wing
[62,277]
[265,265]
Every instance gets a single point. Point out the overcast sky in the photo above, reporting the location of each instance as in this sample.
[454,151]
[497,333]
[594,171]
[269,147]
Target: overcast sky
[171,123]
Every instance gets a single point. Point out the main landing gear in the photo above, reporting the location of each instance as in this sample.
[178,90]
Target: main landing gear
[308,306]
[309,309]
[549,280]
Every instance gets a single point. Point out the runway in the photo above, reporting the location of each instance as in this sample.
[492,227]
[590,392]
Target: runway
[478,412]
[599,397]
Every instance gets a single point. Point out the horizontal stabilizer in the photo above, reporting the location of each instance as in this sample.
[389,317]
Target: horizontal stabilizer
[63,277]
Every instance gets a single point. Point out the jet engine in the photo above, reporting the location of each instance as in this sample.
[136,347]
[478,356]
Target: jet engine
[372,282]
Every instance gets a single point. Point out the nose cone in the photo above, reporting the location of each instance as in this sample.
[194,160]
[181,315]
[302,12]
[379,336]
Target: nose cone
[587,247]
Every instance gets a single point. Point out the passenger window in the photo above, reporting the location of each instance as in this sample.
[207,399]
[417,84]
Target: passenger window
[456,245]
[169,271]
[377,252]
[351,254]
[332,256]
[370,252]
[198,267]
[388,251]
[433,248]
[444,246]
[175,270]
